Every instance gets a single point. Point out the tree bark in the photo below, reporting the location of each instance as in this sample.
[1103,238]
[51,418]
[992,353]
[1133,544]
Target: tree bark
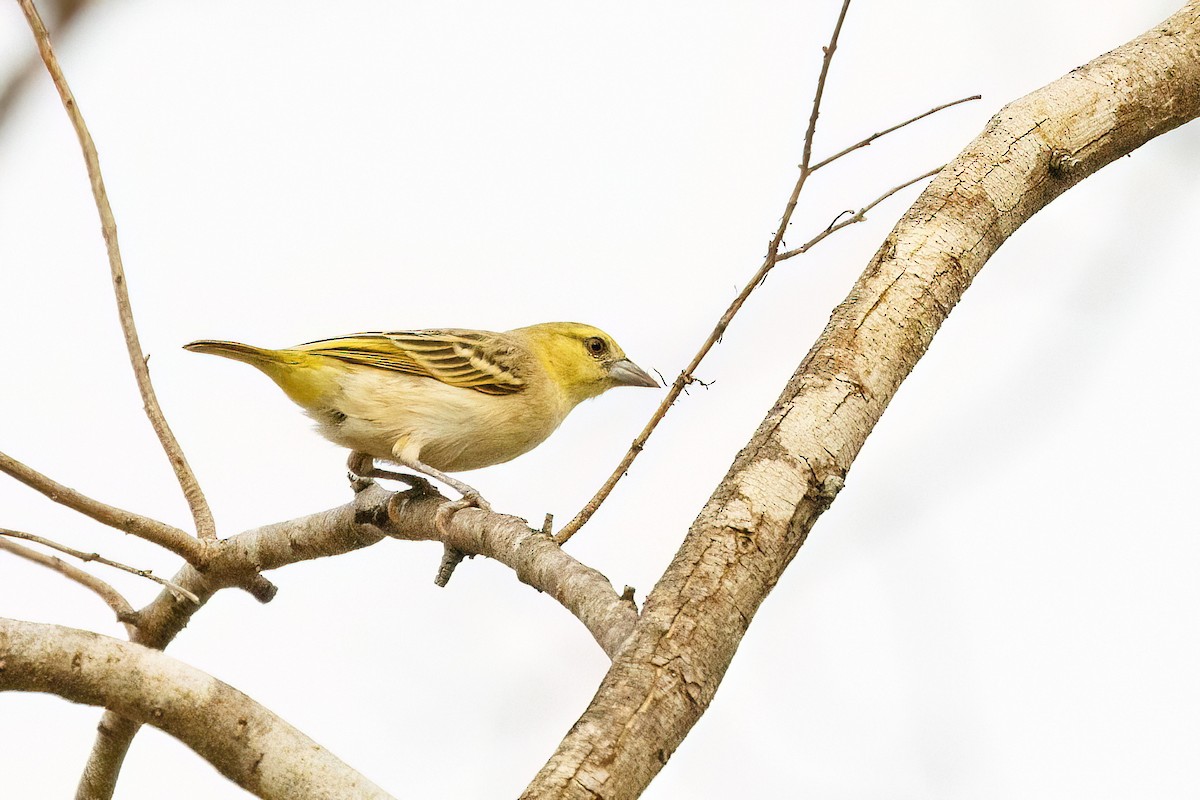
[1033,150]
[247,743]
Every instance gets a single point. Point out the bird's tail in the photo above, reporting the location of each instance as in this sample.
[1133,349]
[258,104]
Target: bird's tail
[305,378]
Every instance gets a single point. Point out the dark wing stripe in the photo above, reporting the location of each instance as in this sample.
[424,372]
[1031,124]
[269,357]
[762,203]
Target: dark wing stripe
[484,363]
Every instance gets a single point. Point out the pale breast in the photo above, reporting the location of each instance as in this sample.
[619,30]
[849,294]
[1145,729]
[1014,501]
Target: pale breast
[458,429]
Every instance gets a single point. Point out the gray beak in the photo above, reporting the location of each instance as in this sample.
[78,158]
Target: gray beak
[627,373]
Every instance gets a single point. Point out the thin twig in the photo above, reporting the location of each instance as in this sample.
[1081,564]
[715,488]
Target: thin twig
[859,216]
[686,376]
[179,542]
[205,526]
[120,606]
[806,159]
[773,257]
[82,556]
[63,15]
[867,141]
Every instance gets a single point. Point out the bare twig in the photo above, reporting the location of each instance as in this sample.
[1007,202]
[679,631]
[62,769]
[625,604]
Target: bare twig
[114,599]
[686,376]
[867,141]
[82,556]
[772,258]
[806,159]
[205,526]
[63,14]
[859,216]
[167,536]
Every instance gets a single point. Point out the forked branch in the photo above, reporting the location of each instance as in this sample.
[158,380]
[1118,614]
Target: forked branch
[773,257]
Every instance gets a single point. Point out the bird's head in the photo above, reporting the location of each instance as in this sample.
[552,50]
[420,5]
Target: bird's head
[583,361]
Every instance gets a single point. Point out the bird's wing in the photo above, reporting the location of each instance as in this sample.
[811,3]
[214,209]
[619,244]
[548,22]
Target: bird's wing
[475,360]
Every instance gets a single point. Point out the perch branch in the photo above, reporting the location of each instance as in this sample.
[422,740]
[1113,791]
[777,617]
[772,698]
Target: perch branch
[205,526]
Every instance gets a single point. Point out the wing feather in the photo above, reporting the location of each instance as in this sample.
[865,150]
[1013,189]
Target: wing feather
[485,362]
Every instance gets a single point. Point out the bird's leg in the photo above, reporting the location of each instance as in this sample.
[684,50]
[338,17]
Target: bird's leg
[362,469]
[359,466]
[407,454]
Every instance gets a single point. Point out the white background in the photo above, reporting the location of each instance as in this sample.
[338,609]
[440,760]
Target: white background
[1002,603]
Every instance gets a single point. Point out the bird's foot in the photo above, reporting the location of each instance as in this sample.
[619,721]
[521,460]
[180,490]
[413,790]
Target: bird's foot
[360,469]
[447,510]
[362,472]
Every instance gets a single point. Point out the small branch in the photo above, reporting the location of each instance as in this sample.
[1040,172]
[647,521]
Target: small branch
[120,606]
[806,159]
[167,536]
[687,377]
[688,374]
[859,216]
[867,141]
[99,559]
[246,742]
[205,526]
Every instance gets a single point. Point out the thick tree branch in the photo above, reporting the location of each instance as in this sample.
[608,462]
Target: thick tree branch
[1032,150]
[247,743]
[201,513]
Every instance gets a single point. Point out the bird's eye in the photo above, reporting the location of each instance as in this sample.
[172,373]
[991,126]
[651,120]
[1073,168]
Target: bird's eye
[596,346]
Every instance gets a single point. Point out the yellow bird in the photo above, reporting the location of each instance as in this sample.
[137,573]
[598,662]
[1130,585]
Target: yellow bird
[439,401]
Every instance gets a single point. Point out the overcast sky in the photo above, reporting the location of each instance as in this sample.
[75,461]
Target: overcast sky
[1002,603]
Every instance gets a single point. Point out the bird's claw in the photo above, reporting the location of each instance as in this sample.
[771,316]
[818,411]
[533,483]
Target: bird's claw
[447,510]
[359,483]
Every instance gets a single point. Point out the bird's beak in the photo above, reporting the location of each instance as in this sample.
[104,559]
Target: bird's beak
[627,373]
